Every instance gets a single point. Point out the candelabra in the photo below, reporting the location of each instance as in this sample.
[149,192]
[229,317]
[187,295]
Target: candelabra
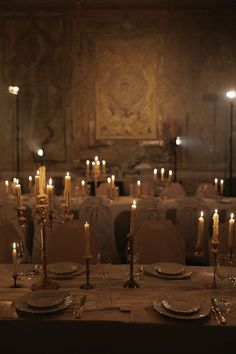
[87,285]
[131,283]
[44,219]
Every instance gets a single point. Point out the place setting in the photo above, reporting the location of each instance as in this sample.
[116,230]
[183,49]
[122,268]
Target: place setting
[65,270]
[167,270]
[43,302]
[182,307]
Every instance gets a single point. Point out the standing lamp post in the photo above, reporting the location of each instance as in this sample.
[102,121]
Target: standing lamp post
[14,90]
[231,95]
[176,144]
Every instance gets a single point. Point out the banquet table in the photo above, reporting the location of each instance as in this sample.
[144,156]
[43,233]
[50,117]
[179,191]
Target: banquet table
[135,327]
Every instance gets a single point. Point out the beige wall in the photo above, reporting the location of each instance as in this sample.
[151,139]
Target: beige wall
[108,81]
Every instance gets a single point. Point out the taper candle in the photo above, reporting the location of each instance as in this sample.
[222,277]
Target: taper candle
[200,229]
[14,257]
[170,175]
[132,219]
[215,227]
[87,239]
[162,174]
[7,186]
[50,194]
[216,184]
[155,174]
[67,191]
[221,187]
[231,230]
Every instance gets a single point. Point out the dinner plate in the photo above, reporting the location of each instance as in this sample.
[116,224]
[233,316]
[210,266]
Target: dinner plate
[65,276]
[63,268]
[169,268]
[45,299]
[21,303]
[181,304]
[150,269]
[202,313]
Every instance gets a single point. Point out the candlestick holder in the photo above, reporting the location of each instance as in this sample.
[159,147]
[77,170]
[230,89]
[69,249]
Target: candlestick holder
[231,255]
[20,216]
[199,250]
[87,285]
[15,277]
[42,216]
[214,263]
[131,283]
[67,215]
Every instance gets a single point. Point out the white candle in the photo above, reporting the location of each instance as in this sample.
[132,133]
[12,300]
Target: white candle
[87,239]
[103,167]
[87,168]
[215,227]
[14,258]
[67,191]
[216,184]
[231,230]
[162,174]
[200,229]
[132,219]
[42,180]
[50,194]
[18,195]
[113,181]
[221,187]
[83,188]
[30,183]
[170,175]
[7,187]
[36,183]
[155,174]
[138,188]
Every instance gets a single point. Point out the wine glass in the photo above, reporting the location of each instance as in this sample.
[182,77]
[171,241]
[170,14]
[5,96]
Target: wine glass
[22,260]
[226,278]
[103,264]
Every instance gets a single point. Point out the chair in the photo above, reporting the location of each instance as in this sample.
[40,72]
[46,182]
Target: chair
[96,211]
[160,241]
[121,229]
[206,190]
[146,210]
[66,242]
[102,189]
[174,190]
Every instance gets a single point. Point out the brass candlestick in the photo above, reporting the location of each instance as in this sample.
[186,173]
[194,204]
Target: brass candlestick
[67,215]
[214,261]
[131,283]
[42,215]
[87,285]
[15,277]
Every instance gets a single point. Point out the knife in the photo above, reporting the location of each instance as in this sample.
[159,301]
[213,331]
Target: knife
[217,309]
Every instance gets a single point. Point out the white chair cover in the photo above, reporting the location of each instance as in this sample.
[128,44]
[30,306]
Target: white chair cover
[206,190]
[102,189]
[174,190]
[66,242]
[160,241]
[146,210]
[10,231]
[97,213]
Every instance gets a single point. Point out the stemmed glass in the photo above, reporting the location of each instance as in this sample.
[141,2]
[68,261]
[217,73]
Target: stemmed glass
[226,278]
[103,264]
[23,262]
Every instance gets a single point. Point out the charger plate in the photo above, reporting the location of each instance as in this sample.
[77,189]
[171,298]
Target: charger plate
[170,268]
[63,268]
[22,303]
[150,270]
[203,312]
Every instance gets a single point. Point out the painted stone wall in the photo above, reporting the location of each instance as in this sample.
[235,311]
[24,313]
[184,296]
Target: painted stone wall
[118,84]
